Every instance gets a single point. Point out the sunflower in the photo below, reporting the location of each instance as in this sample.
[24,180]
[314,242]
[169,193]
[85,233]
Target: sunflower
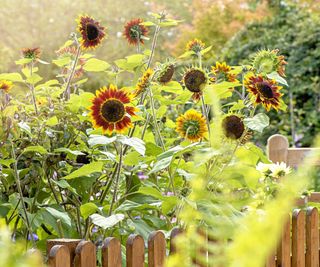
[267,61]
[31,53]
[233,127]
[166,73]
[222,72]
[192,126]
[92,33]
[195,45]
[134,32]
[111,110]
[5,85]
[143,82]
[264,91]
[195,80]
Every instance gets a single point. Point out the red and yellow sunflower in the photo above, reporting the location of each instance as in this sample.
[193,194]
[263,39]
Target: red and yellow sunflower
[31,53]
[111,110]
[5,85]
[222,72]
[264,91]
[134,32]
[92,33]
[192,126]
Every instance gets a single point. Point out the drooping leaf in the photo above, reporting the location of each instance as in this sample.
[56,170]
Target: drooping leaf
[63,216]
[86,170]
[100,140]
[37,149]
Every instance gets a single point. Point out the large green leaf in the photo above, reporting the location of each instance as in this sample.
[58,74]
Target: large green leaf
[257,123]
[88,209]
[63,216]
[38,149]
[100,140]
[106,222]
[94,64]
[86,170]
[133,142]
[14,77]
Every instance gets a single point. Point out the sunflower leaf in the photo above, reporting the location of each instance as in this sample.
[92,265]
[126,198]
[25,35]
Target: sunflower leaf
[257,123]
[96,65]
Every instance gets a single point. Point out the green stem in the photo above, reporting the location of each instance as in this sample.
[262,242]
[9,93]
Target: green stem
[115,191]
[67,91]
[155,120]
[31,86]
[16,176]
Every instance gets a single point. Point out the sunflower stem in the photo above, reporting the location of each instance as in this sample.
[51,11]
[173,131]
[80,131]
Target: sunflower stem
[33,92]
[205,114]
[155,120]
[16,176]
[67,91]
[115,191]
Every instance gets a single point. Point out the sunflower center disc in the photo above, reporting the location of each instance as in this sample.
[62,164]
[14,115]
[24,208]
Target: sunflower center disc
[113,110]
[265,89]
[92,32]
[135,32]
[194,79]
[233,127]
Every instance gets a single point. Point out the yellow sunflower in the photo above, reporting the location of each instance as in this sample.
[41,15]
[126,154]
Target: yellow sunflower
[195,81]
[264,91]
[143,82]
[6,85]
[222,72]
[195,45]
[111,110]
[92,33]
[192,126]
[233,127]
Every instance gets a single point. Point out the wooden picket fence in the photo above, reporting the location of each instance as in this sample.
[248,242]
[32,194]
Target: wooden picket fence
[298,247]
[80,253]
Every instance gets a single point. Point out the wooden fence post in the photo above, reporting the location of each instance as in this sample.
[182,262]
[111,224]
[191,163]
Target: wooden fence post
[111,253]
[59,256]
[277,149]
[312,237]
[135,251]
[71,244]
[156,249]
[85,255]
[298,238]
[283,255]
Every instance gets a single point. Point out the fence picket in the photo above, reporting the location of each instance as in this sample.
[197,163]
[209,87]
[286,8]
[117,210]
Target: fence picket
[59,256]
[283,253]
[135,251]
[156,249]
[174,233]
[85,255]
[298,238]
[71,244]
[312,237]
[111,253]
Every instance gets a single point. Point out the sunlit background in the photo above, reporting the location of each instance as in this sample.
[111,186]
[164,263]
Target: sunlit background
[235,29]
